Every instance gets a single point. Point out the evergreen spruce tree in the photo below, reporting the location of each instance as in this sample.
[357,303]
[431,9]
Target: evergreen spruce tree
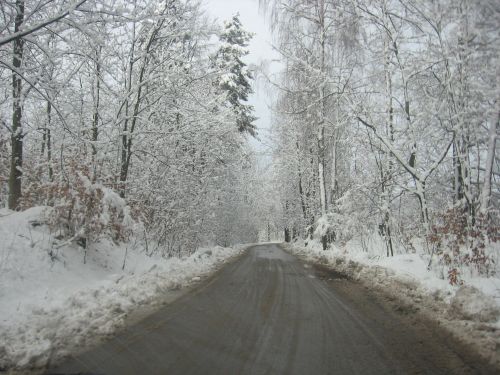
[235,77]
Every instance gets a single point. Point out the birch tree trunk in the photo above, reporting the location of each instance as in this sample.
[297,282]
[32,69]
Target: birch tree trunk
[321,113]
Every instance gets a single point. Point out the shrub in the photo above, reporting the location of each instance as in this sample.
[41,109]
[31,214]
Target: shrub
[462,245]
[86,210]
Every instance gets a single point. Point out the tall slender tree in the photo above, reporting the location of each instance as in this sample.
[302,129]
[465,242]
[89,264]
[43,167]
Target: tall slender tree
[235,77]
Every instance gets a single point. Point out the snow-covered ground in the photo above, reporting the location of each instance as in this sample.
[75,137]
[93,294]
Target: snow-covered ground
[470,311]
[51,303]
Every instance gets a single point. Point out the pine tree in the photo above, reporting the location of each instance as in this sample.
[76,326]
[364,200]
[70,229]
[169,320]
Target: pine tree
[235,78]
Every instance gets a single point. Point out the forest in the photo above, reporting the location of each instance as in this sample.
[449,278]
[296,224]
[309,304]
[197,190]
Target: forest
[132,117]
[127,116]
[387,123]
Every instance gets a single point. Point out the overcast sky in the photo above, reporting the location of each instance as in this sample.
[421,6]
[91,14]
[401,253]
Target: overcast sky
[260,50]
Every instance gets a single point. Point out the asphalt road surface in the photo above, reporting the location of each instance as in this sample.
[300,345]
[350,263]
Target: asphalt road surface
[269,313]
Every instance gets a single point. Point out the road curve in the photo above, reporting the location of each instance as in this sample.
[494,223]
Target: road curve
[269,313]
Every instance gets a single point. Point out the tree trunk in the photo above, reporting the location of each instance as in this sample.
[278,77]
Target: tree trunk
[287,234]
[334,194]
[301,189]
[386,178]
[490,157]
[420,192]
[321,122]
[127,132]
[49,155]
[17,135]
[322,115]
[124,163]
[95,116]
[48,141]
[124,136]
[457,176]
[321,171]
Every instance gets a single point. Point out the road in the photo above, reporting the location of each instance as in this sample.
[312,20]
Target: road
[269,313]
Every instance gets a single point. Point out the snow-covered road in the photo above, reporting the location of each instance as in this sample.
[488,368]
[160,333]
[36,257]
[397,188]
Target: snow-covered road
[269,313]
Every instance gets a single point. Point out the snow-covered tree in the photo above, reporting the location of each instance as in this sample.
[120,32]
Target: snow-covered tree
[123,99]
[235,77]
[386,122]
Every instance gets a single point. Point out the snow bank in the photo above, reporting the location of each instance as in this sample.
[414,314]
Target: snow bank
[471,311]
[51,303]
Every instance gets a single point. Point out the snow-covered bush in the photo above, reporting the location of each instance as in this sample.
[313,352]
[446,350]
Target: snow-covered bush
[461,245]
[353,217]
[324,230]
[87,210]
[37,188]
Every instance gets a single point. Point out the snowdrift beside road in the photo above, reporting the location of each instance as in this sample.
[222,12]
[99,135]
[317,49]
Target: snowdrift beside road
[52,304]
[471,311]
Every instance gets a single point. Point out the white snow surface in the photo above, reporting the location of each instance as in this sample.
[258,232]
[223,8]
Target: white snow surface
[51,303]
